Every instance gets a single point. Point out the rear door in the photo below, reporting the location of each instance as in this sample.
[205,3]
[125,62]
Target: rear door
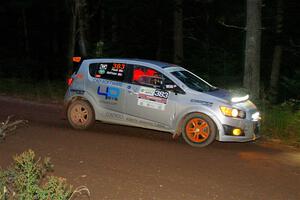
[106,85]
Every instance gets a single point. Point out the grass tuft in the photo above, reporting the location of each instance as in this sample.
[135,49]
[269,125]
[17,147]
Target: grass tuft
[40,90]
[282,122]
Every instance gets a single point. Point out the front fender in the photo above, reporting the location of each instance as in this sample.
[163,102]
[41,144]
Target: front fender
[197,109]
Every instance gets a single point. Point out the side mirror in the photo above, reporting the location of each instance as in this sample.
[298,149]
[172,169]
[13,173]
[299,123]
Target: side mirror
[170,86]
[178,90]
[162,87]
[173,88]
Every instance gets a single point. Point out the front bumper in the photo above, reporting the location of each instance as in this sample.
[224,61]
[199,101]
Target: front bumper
[250,131]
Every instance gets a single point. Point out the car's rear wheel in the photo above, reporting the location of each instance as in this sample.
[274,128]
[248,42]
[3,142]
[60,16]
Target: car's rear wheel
[81,115]
[199,130]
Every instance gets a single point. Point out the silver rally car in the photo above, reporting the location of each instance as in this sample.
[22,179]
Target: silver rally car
[160,96]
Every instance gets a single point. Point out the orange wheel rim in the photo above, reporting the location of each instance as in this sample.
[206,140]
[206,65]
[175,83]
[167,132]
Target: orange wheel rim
[197,130]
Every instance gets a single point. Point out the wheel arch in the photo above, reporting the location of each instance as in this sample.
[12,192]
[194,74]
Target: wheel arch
[79,97]
[206,112]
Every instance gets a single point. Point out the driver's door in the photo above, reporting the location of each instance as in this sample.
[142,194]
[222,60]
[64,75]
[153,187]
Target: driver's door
[147,101]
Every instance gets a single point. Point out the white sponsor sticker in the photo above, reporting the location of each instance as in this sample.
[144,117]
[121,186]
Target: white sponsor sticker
[147,91]
[152,98]
[151,104]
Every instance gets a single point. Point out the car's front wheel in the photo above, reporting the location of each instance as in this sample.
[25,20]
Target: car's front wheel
[199,130]
[80,115]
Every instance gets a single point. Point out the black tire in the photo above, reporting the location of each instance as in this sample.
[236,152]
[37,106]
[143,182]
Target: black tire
[198,130]
[81,115]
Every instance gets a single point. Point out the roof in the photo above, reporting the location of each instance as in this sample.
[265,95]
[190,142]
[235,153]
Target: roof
[156,62]
[153,62]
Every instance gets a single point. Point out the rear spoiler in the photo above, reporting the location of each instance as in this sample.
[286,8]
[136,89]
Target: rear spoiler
[77,60]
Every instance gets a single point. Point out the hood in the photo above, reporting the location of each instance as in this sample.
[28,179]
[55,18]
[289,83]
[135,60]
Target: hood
[221,93]
[233,96]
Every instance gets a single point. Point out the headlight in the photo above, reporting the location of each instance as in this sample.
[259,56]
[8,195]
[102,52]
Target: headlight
[232,112]
[239,99]
[256,116]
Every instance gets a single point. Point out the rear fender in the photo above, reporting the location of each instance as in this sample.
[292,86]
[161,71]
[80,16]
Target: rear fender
[85,97]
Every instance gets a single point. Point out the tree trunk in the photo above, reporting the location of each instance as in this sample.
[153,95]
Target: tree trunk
[274,79]
[252,51]
[114,28]
[82,26]
[72,37]
[26,38]
[159,39]
[54,41]
[178,32]
[102,21]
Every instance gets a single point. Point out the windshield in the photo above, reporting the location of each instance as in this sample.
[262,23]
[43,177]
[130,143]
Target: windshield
[193,81]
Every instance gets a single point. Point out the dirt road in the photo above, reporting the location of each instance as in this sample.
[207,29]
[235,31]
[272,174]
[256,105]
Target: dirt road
[118,162]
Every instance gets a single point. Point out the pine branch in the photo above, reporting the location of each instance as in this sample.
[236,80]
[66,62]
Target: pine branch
[8,127]
[231,26]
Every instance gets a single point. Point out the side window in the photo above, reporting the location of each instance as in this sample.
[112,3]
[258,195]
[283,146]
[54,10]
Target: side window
[110,71]
[147,77]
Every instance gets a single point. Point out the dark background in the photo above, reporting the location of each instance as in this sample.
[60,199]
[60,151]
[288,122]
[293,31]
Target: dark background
[35,35]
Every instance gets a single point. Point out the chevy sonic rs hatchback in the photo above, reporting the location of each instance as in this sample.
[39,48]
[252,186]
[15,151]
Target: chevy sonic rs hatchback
[160,96]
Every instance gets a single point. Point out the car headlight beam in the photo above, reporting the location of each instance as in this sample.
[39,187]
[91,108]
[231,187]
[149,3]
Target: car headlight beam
[256,116]
[239,99]
[232,112]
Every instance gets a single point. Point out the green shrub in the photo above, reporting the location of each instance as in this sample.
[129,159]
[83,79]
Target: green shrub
[282,122]
[25,180]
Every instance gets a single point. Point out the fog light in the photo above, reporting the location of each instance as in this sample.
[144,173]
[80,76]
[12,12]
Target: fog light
[236,131]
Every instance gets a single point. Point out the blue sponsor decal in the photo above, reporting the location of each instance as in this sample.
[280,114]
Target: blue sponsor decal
[108,82]
[111,93]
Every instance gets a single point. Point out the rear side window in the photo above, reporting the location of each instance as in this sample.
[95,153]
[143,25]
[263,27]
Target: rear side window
[110,71]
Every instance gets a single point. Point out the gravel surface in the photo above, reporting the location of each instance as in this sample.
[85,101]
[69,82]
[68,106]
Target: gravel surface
[119,162]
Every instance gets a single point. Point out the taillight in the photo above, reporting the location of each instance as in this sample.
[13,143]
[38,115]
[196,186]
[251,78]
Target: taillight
[70,81]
